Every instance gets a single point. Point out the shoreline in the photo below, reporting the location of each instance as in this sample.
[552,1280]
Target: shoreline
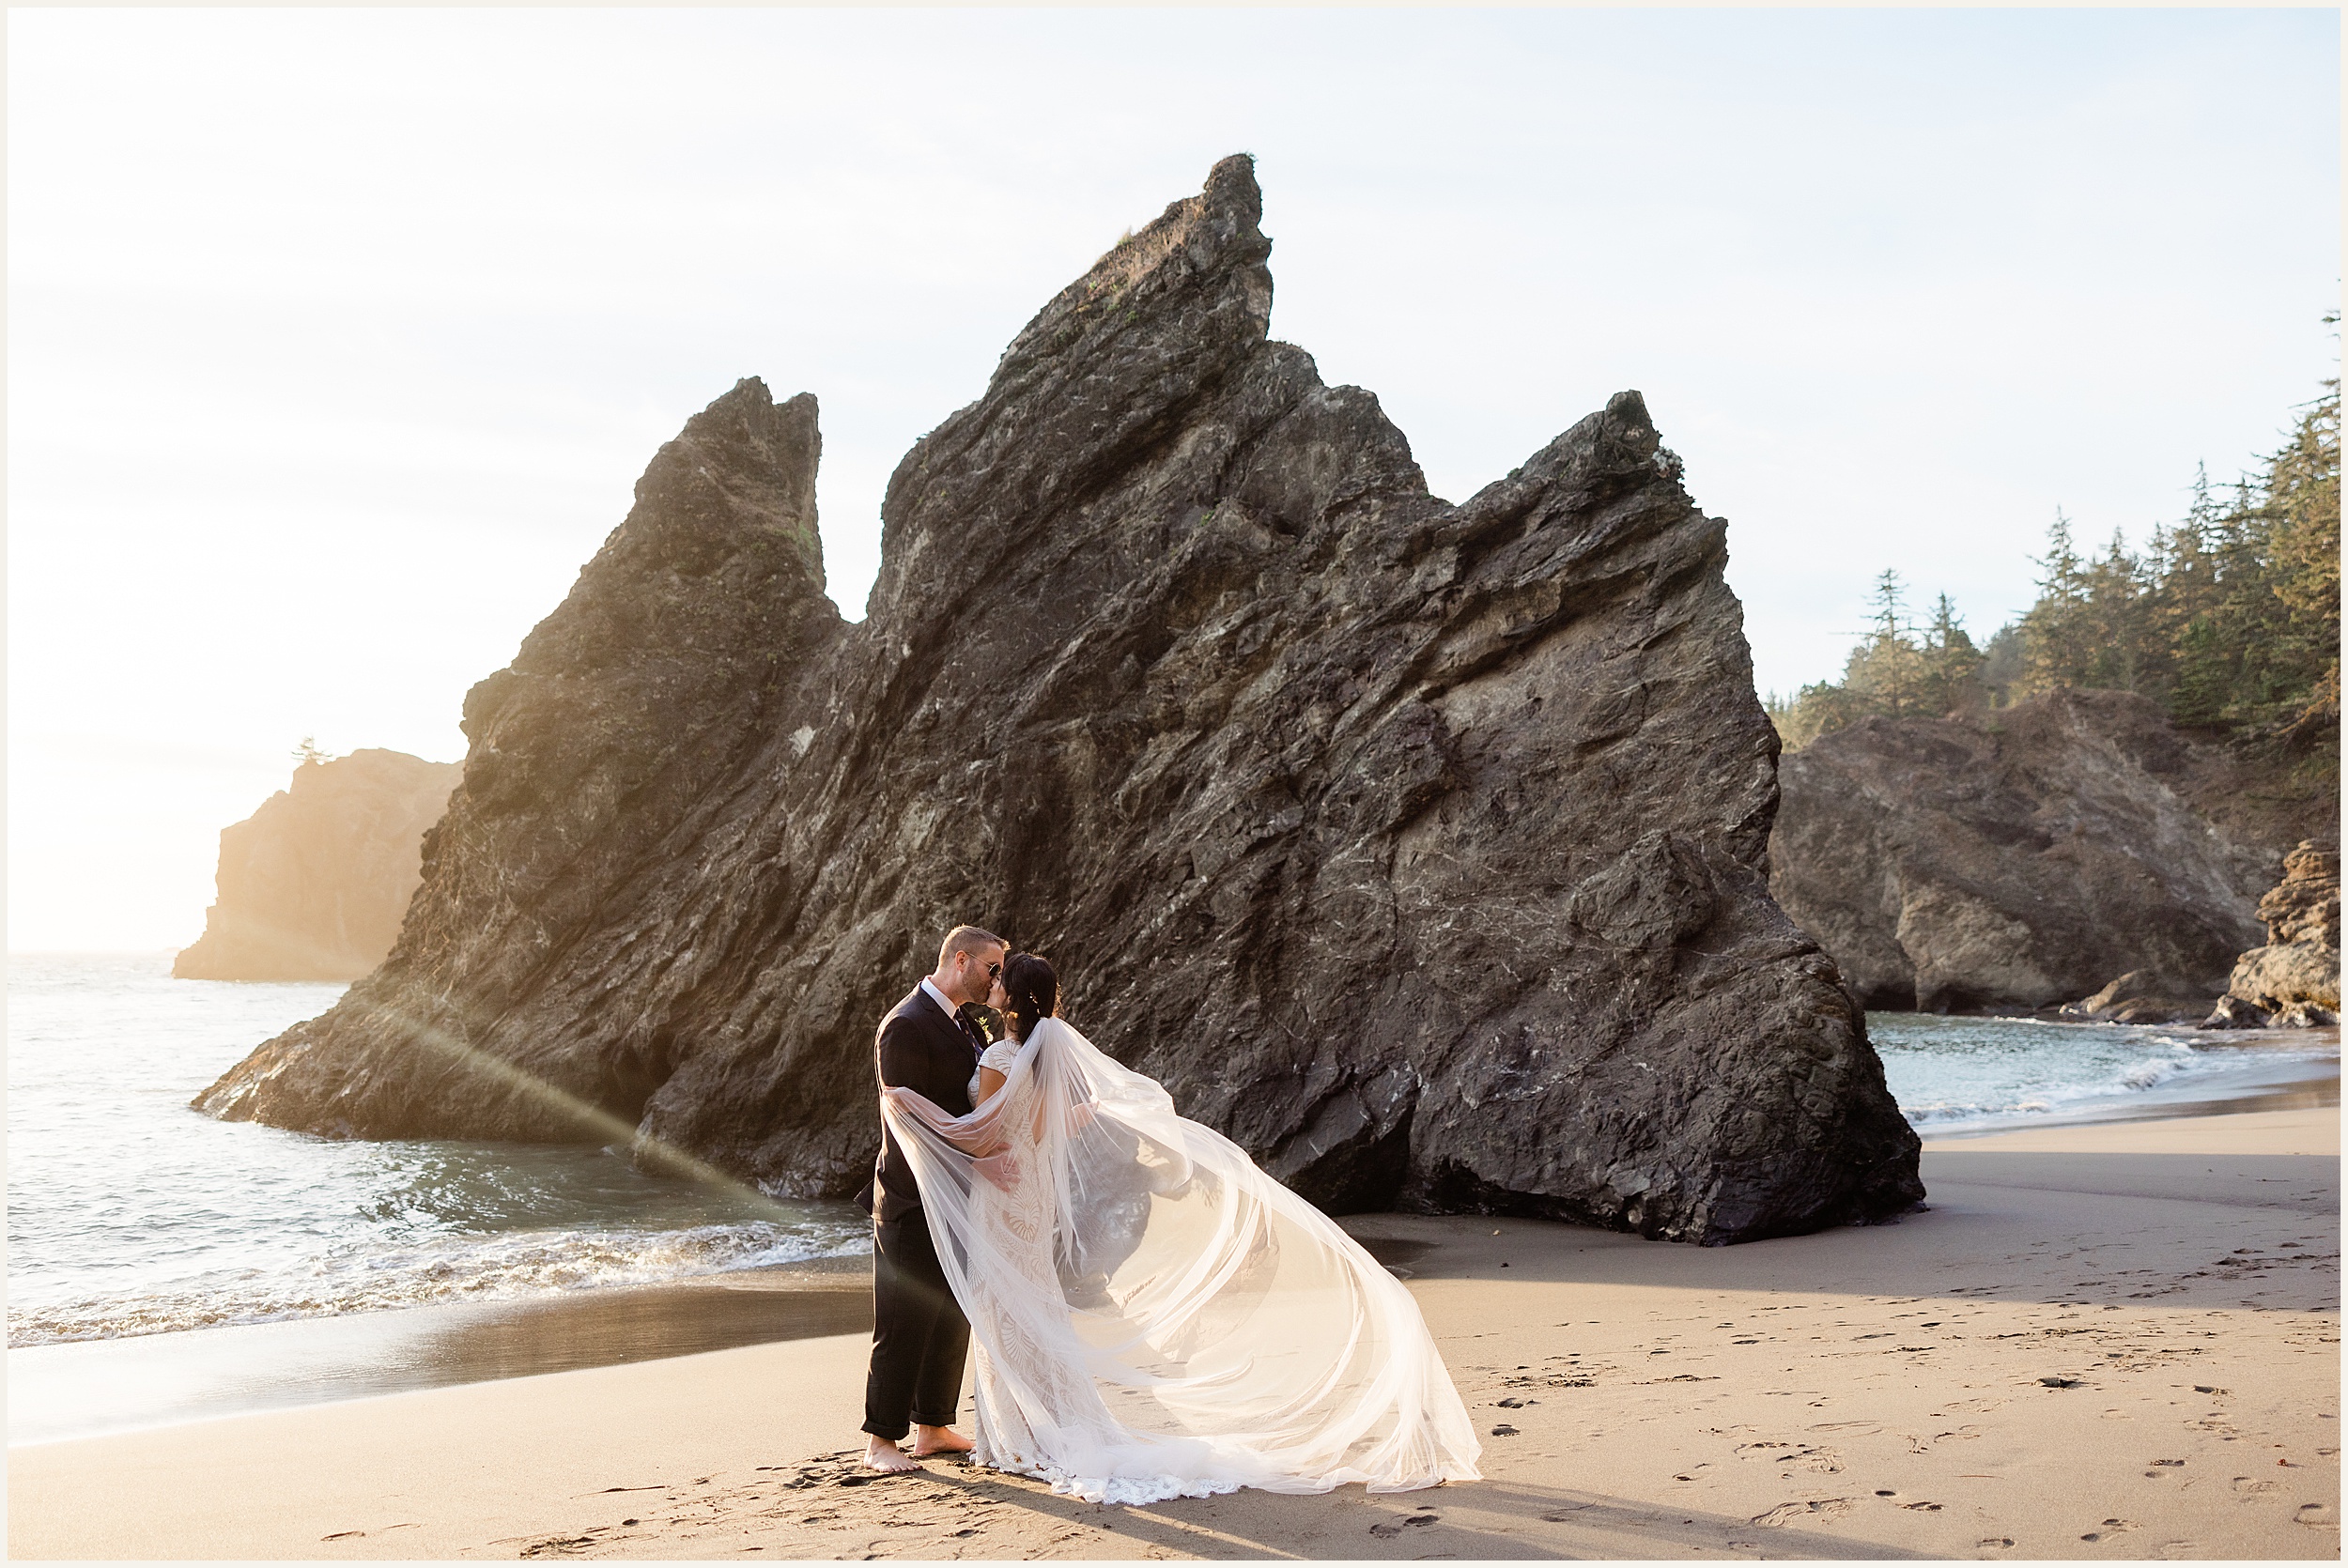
[81,1389]
[98,1386]
[2116,1340]
[2311,1093]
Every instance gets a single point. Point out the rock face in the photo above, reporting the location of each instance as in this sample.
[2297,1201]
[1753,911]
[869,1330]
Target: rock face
[1417,847]
[2294,980]
[2023,860]
[313,885]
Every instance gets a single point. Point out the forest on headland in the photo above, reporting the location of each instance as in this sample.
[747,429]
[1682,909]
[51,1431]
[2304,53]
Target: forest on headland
[2228,618]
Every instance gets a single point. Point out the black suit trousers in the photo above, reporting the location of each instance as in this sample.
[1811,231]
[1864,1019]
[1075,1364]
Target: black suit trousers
[920,1337]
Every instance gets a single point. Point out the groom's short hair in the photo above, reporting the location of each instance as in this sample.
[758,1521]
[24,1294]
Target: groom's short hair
[966,939]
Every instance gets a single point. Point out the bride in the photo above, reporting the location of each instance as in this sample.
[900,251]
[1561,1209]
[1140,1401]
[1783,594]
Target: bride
[1154,1315]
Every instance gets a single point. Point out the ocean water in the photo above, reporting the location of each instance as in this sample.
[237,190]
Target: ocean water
[129,1213]
[1983,1074]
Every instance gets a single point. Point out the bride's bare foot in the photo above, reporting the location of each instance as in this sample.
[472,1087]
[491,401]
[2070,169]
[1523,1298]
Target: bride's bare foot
[886,1458]
[938,1439]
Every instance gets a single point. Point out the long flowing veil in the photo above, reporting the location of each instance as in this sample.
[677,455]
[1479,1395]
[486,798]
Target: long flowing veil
[1154,1315]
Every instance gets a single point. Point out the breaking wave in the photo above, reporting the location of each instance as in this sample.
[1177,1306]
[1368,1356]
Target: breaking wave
[129,1213]
[1951,1074]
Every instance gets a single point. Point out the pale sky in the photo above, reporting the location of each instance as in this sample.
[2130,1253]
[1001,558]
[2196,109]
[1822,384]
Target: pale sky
[338,338]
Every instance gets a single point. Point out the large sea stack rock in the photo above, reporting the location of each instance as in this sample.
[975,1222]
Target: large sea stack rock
[1417,847]
[2023,858]
[2294,980]
[314,884]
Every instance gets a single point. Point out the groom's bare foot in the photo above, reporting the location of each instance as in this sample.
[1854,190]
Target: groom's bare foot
[938,1439]
[886,1458]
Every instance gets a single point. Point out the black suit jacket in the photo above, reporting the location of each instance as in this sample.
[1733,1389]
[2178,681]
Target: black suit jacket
[919,1047]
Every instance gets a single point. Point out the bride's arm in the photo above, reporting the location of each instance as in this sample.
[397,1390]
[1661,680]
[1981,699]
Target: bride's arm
[989,1082]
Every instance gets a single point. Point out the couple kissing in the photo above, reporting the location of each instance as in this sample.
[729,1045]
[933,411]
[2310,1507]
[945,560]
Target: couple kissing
[1142,1312]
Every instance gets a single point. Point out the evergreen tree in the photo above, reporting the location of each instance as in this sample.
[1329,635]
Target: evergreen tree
[2303,498]
[1950,665]
[1885,672]
[2058,640]
[2179,594]
[2203,675]
[2112,655]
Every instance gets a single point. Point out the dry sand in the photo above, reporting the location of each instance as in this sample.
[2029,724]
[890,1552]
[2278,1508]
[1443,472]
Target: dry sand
[2112,1341]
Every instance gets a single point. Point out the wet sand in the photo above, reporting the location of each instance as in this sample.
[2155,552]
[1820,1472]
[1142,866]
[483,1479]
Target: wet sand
[2118,1340]
[95,1387]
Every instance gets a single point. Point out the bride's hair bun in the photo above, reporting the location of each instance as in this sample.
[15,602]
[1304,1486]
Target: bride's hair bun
[1031,992]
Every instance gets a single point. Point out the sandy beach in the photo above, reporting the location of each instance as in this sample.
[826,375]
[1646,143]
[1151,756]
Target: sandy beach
[2106,1341]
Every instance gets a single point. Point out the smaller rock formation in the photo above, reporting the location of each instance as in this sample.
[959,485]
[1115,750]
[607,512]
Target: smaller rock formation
[2020,859]
[2139,997]
[2293,981]
[313,885]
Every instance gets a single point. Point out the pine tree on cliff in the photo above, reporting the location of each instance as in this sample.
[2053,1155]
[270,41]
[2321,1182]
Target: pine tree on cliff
[1950,665]
[2303,492]
[2058,632]
[1886,672]
[2181,655]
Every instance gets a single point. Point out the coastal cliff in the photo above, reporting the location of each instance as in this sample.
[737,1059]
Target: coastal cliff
[1419,848]
[313,885]
[2294,980]
[2075,843]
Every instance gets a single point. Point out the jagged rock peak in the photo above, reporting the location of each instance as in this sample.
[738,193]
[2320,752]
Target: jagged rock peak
[1112,364]
[1200,248]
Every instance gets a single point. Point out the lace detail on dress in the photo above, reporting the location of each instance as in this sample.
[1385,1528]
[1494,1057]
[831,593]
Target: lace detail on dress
[1125,1491]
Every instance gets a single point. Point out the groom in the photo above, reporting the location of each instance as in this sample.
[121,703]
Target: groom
[919,1336]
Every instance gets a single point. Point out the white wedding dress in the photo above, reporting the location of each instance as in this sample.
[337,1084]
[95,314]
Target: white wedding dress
[1153,1317]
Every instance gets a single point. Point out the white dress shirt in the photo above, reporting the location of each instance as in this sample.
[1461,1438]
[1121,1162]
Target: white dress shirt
[939,998]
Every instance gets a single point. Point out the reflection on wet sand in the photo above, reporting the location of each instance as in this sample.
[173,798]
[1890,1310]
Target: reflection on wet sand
[74,1391]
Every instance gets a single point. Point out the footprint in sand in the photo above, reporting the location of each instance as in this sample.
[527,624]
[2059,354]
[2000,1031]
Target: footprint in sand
[1791,1512]
[1393,1527]
[1807,1456]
